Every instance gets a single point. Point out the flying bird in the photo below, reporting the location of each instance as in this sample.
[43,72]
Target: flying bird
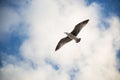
[72,35]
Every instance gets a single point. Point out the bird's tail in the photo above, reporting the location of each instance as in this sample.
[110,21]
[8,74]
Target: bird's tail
[78,40]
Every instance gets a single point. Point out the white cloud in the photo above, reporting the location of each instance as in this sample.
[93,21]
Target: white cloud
[95,55]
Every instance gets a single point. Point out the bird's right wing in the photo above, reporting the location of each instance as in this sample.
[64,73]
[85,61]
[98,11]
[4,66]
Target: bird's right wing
[62,42]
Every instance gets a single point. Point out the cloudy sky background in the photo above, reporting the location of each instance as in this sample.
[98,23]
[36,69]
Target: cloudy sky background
[31,29]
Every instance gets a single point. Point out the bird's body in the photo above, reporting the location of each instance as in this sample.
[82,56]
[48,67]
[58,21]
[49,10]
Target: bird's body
[72,35]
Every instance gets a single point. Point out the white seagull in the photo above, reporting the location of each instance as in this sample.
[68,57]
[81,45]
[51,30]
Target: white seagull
[72,35]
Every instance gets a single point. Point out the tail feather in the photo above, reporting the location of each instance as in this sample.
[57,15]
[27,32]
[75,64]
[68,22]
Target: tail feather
[78,40]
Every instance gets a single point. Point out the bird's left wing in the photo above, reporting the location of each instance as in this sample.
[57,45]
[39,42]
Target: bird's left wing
[78,27]
[62,42]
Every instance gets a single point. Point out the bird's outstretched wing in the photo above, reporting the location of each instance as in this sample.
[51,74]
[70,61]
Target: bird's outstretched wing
[62,42]
[78,27]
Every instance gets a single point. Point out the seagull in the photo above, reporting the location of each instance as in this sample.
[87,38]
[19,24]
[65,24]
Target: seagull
[72,35]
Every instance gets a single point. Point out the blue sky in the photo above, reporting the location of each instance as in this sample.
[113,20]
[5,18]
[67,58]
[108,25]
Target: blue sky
[110,6]
[22,42]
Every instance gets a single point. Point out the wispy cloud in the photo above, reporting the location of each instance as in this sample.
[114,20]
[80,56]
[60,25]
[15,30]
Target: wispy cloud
[93,58]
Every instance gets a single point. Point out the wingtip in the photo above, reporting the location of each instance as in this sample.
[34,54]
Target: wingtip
[87,20]
[56,49]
